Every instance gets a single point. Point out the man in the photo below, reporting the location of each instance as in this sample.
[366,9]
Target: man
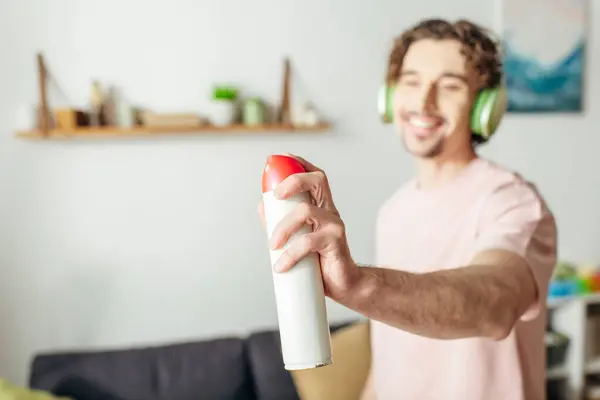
[465,250]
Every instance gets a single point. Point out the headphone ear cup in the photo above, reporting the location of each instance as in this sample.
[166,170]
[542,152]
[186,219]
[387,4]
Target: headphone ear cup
[385,103]
[488,109]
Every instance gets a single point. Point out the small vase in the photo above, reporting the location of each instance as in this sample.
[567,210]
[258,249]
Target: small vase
[222,112]
[254,112]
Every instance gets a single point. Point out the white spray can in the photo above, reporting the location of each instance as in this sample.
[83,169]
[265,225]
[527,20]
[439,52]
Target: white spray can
[301,308]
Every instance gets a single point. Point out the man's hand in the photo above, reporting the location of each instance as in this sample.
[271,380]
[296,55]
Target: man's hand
[328,238]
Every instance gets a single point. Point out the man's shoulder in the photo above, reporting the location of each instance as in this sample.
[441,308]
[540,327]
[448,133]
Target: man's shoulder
[515,216]
[507,190]
[500,175]
[500,180]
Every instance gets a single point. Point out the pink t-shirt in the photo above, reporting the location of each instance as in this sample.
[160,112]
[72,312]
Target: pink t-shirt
[484,207]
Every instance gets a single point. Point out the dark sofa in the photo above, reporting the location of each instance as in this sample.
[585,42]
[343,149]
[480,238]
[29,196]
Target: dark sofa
[230,368]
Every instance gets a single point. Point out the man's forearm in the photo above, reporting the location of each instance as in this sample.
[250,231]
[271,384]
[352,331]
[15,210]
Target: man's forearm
[482,301]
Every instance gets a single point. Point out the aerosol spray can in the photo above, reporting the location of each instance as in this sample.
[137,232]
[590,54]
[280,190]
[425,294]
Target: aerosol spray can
[301,308]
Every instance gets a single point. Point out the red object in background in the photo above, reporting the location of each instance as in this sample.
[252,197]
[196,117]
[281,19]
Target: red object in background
[595,282]
[278,168]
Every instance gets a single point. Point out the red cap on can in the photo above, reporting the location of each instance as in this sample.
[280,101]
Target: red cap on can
[278,168]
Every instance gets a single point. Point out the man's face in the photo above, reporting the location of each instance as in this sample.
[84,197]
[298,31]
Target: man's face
[433,97]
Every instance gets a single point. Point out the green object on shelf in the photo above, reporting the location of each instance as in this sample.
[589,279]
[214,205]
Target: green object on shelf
[254,112]
[583,286]
[564,271]
[227,93]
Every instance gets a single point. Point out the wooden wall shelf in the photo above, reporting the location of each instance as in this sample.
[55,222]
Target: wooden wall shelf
[70,130]
[116,132]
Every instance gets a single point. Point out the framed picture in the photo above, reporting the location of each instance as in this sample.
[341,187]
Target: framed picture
[543,44]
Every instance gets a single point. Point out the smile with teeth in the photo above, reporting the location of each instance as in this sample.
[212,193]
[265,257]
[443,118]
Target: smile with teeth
[419,122]
[424,124]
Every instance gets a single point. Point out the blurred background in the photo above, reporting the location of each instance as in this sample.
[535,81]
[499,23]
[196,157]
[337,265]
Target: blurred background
[121,242]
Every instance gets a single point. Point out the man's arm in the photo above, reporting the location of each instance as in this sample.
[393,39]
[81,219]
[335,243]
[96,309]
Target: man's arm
[483,299]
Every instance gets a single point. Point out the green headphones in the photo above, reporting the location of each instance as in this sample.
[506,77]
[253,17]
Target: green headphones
[488,109]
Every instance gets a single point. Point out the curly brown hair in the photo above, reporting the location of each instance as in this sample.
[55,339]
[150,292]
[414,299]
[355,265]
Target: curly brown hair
[478,47]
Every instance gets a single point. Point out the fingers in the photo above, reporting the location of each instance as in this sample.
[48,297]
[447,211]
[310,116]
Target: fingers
[303,214]
[304,245]
[297,183]
[328,229]
[314,181]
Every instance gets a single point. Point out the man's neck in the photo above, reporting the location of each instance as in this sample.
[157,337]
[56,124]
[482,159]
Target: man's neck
[440,170]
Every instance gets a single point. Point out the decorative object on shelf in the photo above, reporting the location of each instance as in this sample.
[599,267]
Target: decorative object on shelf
[69,118]
[97,105]
[46,119]
[254,112]
[109,107]
[184,120]
[284,116]
[223,105]
[570,279]
[543,67]
[310,117]
[564,281]
[44,114]
[124,114]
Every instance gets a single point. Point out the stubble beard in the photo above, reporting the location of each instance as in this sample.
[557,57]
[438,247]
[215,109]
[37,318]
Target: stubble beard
[434,151]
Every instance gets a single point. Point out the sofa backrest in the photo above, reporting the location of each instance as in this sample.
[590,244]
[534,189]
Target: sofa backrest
[212,369]
[223,369]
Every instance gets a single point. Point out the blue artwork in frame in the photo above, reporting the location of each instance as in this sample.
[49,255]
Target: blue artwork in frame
[543,44]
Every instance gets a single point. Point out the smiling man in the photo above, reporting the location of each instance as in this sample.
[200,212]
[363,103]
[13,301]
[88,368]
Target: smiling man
[465,250]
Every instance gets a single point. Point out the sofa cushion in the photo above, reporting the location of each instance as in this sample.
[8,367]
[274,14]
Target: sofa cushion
[346,377]
[272,381]
[212,369]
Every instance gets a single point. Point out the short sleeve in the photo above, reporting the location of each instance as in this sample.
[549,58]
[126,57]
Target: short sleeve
[515,218]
